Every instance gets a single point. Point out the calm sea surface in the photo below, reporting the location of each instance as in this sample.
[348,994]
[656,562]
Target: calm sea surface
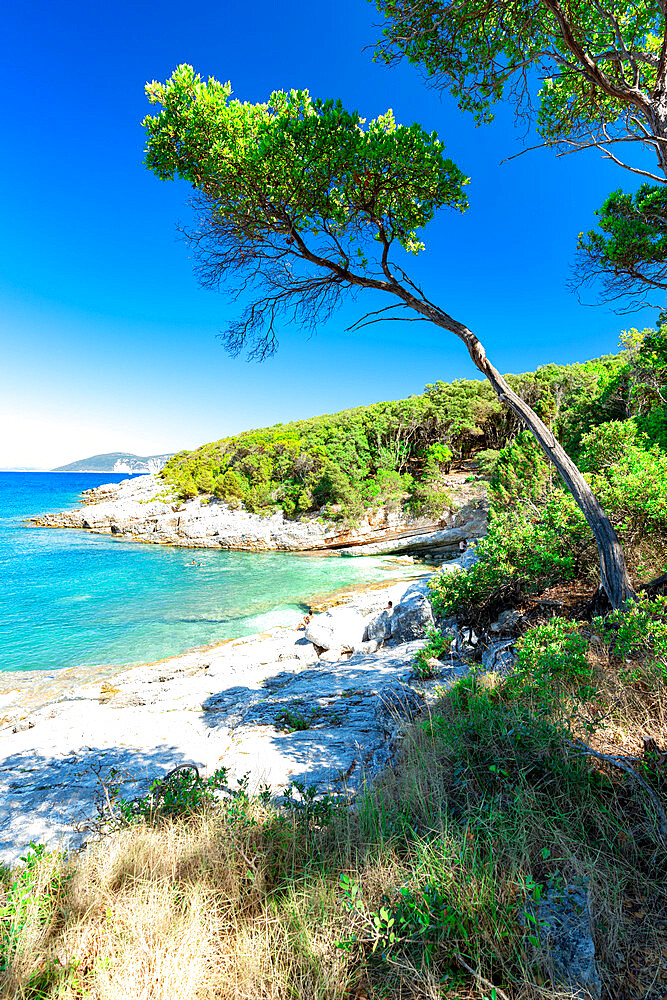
[71,598]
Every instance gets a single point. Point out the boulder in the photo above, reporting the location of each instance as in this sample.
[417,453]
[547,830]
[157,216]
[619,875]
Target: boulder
[508,621]
[411,619]
[499,656]
[331,655]
[339,628]
[564,921]
[468,558]
[370,646]
[396,702]
[379,627]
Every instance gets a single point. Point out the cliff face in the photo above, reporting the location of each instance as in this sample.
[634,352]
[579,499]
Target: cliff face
[144,509]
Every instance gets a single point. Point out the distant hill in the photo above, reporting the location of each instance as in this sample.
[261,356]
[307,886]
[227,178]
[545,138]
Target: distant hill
[116,461]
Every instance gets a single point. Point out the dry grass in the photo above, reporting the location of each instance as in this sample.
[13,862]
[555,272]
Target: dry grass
[486,802]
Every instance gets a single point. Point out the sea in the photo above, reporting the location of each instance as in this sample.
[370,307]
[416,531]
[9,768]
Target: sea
[71,598]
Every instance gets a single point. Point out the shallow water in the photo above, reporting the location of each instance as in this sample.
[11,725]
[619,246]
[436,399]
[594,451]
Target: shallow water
[71,598]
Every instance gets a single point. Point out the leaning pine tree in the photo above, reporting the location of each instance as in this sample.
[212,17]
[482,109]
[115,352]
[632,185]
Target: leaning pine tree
[300,202]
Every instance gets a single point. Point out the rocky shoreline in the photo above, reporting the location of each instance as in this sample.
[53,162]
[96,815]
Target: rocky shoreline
[323,704]
[144,509]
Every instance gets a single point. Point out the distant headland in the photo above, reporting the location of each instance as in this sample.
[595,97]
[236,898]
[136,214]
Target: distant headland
[116,461]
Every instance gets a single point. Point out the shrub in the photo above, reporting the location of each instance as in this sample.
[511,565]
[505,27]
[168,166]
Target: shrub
[520,553]
[552,663]
[521,474]
[437,645]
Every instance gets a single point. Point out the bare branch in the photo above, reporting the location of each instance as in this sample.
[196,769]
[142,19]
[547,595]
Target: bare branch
[623,765]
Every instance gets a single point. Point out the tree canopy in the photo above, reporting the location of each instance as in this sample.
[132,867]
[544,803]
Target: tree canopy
[586,75]
[627,255]
[590,73]
[297,198]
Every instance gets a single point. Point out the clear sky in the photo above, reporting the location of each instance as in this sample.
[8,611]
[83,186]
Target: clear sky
[107,343]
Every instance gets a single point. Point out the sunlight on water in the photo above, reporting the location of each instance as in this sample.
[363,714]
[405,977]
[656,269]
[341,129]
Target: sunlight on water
[71,598]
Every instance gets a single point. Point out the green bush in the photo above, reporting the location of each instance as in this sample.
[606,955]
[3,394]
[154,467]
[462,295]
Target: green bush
[521,474]
[394,452]
[437,645]
[639,627]
[522,553]
[183,792]
[487,461]
[552,663]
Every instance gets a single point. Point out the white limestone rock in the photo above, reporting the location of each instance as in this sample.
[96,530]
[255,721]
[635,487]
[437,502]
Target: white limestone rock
[411,619]
[339,628]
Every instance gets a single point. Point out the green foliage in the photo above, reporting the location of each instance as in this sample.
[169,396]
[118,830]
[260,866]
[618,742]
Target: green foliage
[397,452]
[552,663]
[412,916]
[28,900]
[392,452]
[437,645]
[522,552]
[521,474]
[629,252]
[182,793]
[486,460]
[323,164]
[639,628]
[608,444]
[483,52]
[629,479]
[293,722]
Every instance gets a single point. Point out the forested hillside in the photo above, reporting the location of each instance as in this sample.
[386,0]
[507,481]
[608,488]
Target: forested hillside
[399,451]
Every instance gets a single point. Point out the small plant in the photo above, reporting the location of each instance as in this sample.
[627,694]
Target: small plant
[412,917]
[27,901]
[311,807]
[436,646]
[182,792]
[551,662]
[293,722]
[640,627]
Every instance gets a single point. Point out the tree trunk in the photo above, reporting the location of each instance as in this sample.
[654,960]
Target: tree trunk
[613,571]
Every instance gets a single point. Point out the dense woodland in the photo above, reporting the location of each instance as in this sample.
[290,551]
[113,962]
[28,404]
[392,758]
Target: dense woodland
[400,452]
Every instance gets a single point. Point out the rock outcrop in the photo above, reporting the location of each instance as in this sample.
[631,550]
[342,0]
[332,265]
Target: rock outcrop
[145,509]
[275,706]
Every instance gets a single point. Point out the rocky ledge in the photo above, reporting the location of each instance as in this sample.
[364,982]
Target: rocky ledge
[144,509]
[322,704]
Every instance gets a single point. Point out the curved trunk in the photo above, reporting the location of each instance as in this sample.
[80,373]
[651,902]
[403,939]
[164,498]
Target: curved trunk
[613,571]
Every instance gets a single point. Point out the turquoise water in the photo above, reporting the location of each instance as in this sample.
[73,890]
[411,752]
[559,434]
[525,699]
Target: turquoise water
[72,598]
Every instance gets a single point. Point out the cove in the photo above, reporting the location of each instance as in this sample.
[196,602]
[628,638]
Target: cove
[72,598]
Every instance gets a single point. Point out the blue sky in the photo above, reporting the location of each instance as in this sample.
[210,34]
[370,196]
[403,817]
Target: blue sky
[107,341]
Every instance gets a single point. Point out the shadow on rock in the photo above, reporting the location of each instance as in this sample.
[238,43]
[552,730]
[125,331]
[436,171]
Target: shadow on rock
[50,799]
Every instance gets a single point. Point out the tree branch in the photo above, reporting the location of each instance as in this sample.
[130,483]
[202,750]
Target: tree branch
[623,765]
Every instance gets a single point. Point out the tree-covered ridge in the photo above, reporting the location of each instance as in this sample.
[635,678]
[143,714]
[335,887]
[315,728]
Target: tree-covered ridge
[537,536]
[396,451]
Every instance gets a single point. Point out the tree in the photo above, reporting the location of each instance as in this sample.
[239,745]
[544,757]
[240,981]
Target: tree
[588,74]
[628,255]
[300,201]
[602,65]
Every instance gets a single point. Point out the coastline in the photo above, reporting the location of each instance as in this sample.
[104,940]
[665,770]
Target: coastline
[231,703]
[35,689]
[145,509]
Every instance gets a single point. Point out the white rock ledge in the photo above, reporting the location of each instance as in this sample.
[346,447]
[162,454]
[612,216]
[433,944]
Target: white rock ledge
[144,509]
[217,706]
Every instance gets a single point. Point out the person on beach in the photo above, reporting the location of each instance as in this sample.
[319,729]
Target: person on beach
[463,545]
